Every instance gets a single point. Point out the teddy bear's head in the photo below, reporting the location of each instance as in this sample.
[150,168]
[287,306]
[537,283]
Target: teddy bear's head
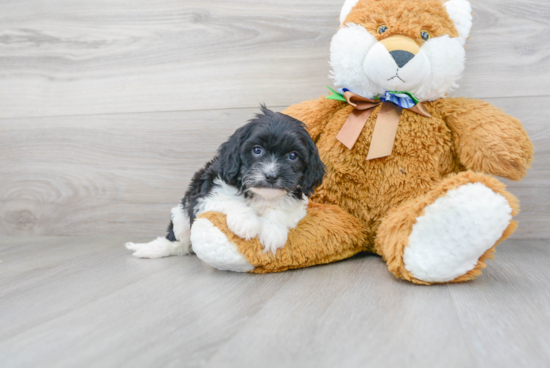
[414,46]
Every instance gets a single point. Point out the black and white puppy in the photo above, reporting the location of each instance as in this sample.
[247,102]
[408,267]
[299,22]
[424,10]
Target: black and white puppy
[261,179]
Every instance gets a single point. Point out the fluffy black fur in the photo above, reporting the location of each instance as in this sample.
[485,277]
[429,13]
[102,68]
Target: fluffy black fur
[278,135]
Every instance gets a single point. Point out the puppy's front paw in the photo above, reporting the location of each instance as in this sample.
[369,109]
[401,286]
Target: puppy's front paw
[273,237]
[244,226]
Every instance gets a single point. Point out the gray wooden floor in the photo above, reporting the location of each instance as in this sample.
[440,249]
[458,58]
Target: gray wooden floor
[85,302]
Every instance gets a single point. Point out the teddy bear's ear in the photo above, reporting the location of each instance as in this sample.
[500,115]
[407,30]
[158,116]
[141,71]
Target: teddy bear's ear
[346,9]
[460,12]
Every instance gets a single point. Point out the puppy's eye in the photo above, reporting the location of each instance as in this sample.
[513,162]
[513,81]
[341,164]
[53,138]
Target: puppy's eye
[293,156]
[425,35]
[257,151]
[382,29]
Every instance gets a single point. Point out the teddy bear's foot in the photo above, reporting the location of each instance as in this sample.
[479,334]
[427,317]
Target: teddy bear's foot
[213,247]
[446,235]
[455,231]
[327,234]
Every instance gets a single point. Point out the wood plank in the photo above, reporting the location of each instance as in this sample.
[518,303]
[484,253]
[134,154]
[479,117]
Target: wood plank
[503,53]
[104,174]
[506,314]
[82,57]
[96,305]
[85,301]
[121,173]
[75,57]
[351,314]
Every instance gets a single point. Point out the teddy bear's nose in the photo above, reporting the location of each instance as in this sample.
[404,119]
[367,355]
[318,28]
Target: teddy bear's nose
[401,57]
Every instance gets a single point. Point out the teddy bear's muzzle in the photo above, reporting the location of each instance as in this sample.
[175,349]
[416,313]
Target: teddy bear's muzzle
[402,49]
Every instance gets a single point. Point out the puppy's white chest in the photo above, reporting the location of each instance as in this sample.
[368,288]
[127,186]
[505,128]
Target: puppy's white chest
[269,219]
[262,207]
[289,210]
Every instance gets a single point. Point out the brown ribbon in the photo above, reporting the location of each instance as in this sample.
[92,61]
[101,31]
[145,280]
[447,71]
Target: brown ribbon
[383,136]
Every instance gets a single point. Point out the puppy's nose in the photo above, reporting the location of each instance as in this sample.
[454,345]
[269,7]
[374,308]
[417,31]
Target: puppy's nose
[401,57]
[271,178]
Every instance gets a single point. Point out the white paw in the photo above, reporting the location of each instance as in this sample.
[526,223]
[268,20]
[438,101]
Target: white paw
[213,247]
[455,231]
[245,226]
[158,248]
[273,237]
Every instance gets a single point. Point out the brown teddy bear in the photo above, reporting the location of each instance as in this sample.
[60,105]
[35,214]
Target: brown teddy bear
[408,169]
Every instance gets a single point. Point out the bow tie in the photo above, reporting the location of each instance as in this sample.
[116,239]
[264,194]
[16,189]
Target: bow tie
[383,136]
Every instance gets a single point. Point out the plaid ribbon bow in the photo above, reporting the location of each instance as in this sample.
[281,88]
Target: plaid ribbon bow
[383,136]
[403,99]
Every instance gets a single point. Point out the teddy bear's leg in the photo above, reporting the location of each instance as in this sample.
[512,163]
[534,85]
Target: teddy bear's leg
[327,234]
[447,234]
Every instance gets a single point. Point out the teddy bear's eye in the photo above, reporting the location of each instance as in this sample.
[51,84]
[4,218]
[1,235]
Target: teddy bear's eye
[425,35]
[382,29]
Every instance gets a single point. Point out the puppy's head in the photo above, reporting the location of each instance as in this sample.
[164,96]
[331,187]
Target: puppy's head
[271,156]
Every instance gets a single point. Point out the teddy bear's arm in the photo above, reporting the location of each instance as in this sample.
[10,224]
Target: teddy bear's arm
[486,139]
[315,114]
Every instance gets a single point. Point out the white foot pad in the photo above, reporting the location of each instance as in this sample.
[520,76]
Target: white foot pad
[454,232]
[213,247]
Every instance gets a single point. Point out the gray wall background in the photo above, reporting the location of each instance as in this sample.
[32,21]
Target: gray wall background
[108,107]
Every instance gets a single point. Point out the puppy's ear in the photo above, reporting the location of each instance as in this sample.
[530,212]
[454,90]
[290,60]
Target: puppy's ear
[313,176]
[229,155]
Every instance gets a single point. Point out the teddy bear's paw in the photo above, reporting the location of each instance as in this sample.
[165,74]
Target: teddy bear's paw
[213,247]
[245,226]
[273,237]
[455,231]
[159,248]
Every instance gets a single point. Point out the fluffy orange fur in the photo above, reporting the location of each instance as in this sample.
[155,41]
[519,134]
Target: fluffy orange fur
[405,18]
[486,139]
[327,234]
[462,134]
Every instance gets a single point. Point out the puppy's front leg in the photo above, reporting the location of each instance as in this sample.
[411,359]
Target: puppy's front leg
[277,222]
[241,219]
[244,222]
[273,234]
